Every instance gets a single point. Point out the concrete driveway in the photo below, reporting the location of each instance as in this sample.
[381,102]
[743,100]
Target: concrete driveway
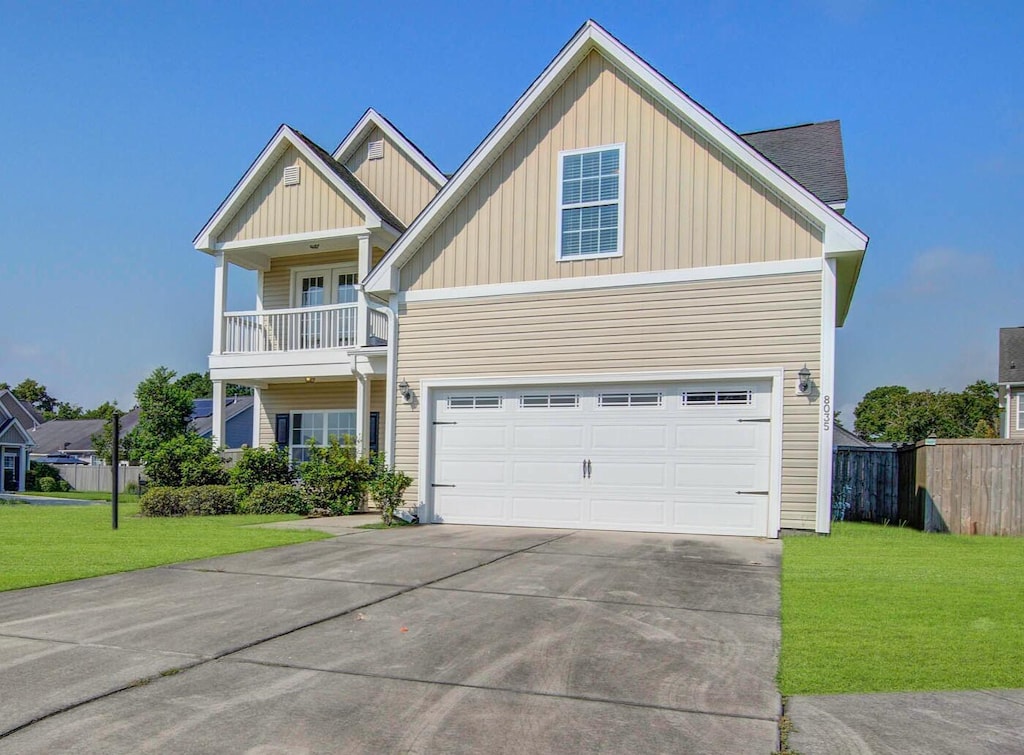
[422,639]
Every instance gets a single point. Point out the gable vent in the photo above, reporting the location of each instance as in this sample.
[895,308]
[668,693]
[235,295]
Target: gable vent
[375,150]
[291,175]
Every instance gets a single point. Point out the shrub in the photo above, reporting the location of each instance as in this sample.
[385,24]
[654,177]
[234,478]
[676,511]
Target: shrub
[185,460]
[335,477]
[47,484]
[132,488]
[387,487]
[37,470]
[203,500]
[276,498]
[262,465]
[63,485]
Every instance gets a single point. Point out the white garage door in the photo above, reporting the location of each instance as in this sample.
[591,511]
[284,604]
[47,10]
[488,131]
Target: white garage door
[684,457]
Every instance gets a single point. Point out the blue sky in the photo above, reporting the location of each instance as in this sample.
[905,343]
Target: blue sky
[125,125]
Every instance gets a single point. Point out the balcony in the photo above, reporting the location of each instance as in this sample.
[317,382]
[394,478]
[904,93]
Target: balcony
[299,342]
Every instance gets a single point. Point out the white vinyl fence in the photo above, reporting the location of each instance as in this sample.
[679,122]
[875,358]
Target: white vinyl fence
[98,478]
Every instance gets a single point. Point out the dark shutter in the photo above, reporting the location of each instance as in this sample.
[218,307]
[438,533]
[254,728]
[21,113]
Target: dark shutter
[281,430]
[374,432]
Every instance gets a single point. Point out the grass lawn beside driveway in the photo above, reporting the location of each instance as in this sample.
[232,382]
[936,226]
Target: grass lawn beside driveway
[888,609]
[44,544]
[81,495]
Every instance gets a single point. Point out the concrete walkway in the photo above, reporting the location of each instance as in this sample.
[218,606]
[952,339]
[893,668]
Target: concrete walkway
[417,639]
[983,722]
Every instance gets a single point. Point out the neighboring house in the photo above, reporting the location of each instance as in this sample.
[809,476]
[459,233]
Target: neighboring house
[238,423]
[17,418]
[73,438]
[1011,381]
[617,314]
[843,438]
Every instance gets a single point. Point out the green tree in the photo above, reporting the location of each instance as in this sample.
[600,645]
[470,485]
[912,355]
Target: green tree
[103,411]
[892,413]
[35,393]
[69,411]
[198,385]
[185,460]
[164,411]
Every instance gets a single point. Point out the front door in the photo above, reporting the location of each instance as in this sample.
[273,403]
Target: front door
[318,289]
[311,293]
[12,470]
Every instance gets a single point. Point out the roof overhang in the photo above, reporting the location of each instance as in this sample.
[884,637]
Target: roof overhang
[848,266]
[205,240]
[839,235]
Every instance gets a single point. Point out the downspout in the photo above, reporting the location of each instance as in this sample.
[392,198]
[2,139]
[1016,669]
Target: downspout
[392,376]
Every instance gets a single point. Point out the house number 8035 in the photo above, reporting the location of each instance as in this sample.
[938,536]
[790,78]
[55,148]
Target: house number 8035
[826,412]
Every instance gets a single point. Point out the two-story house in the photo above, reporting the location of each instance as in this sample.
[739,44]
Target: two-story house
[617,314]
[17,419]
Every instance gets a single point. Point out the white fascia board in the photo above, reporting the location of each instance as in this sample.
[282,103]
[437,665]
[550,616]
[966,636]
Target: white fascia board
[618,280]
[839,234]
[363,127]
[291,238]
[204,241]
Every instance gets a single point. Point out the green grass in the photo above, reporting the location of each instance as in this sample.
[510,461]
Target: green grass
[382,526]
[82,495]
[44,544]
[880,609]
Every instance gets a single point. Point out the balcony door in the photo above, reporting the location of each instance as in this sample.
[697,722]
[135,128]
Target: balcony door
[317,289]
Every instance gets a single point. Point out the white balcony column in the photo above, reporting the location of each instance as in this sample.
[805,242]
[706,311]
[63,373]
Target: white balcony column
[220,297]
[362,313]
[362,414]
[257,416]
[218,414]
[23,468]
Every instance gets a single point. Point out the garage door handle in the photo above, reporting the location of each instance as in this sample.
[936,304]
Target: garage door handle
[586,468]
[756,419]
[751,492]
[439,485]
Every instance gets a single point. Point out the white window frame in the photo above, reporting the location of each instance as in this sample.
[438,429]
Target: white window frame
[1020,411]
[621,147]
[330,273]
[323,412]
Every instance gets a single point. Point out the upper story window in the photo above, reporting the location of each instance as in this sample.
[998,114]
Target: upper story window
[1020,411]
[590,202]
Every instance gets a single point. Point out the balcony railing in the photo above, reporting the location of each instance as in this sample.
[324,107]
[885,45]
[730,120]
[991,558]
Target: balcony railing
[276,330]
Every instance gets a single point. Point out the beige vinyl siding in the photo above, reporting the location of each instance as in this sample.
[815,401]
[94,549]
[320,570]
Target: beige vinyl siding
[274,209]
[738,323]
[277,281]
[282,398]
[686,203]
[397,181]
[1016,397]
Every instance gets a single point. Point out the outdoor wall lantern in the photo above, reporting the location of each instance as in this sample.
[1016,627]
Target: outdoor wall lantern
[803,381]
[311,380]
[406,392]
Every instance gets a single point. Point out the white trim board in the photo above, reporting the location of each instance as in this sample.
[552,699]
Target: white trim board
[826,397]
[363,127]
[617,280]
[775,374]
[839,233]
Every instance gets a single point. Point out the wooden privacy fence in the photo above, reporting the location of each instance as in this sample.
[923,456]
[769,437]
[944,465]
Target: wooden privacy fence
[98,478]
[965,486]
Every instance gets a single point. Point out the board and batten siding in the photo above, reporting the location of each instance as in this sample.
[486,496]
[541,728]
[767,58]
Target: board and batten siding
[726,324]
[277,281]
[686,203]
[396,180]
[274,209]
[282,398]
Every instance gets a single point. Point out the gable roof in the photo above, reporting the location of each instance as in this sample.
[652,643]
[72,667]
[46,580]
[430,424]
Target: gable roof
[75,435]
[338,175]
[811,153]
[27,415]
[1011,355]
[843,437]
[840,235]
[233,406]
[12,432]
[370,119]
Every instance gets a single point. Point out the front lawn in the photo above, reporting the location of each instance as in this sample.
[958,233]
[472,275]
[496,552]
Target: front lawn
[81,495]
[880,609]
[44,544]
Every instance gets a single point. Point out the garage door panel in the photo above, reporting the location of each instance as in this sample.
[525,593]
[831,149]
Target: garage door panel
[713,438]
[721,474]
[547,437]
[469,470]
[628,473]
[472,437]
[633,437]
[547,509]
[469,508]
[717,514]
[550,472]
[613,512]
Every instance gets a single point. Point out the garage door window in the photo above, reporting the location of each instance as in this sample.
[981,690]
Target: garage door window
[474,402]
[629,399]
[717,398]
[550,401]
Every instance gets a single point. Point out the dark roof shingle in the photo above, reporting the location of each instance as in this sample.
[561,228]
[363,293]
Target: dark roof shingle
[1011,355]
[811,153]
